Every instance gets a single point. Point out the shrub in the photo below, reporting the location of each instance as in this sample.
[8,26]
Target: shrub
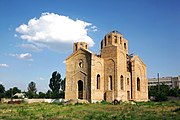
[160,96]
[104,102]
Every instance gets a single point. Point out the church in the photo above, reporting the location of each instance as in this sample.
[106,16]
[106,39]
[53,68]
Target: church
[112,75]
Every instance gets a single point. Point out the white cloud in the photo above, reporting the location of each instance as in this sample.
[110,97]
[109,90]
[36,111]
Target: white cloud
[94,28]
[4,65]
[41,78]
[15,35]
[30,47]
[23,56]
[55,31]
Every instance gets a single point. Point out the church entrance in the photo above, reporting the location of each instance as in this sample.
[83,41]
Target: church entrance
[80,89]
[128,95]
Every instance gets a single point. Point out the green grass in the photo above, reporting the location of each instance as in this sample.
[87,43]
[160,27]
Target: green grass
[99,111]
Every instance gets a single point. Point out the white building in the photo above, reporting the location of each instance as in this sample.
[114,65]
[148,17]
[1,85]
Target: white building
[170,81]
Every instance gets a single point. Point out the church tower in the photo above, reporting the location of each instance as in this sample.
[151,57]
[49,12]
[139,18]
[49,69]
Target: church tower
[114,51]
[79,45]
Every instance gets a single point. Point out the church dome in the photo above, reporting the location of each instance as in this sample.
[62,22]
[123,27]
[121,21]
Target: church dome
[113,38]
[115,32]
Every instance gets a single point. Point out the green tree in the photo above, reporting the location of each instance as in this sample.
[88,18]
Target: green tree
[9,93]
[63,84]
[48,94]
[2,91]
[174,92]
[16,90]
[62,93]
[54,84]
[41,95]
[31,90]
[161,94]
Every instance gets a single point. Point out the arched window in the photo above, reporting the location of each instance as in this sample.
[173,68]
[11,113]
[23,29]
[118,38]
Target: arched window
[122,83]
[104,41]
[109,39]
[120,40]
[115,39]
[76,47]
[98,81]
[138,84]
[124,45]
[110,82]
[81,45]
[127,81]
[80,63]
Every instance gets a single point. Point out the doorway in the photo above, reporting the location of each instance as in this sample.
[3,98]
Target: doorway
[128,95]
[80,89]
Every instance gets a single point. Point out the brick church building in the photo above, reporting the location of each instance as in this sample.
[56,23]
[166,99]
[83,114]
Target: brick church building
[114,74]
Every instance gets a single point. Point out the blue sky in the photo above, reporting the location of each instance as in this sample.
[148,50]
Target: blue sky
[152,28]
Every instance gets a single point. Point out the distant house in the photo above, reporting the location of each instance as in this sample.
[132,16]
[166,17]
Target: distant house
[19,95]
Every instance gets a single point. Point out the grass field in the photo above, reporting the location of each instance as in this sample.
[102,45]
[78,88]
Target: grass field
[100,111]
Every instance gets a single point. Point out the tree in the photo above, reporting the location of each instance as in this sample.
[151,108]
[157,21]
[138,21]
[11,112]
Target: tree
[32,90]
[161,94]
[41,95]
[62,93]
[16,90]
[63,84]
[174,92]
[2,91]
[9,93]
[48,94]
[54,84]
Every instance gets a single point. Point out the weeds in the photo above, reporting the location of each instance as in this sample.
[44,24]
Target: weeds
[100,111]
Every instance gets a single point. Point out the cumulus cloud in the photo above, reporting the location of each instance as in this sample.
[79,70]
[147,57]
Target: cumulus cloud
[30,47]
[55,31]
[4,65]
[23,56]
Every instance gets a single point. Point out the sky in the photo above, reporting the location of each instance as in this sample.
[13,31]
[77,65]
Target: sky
[36,36]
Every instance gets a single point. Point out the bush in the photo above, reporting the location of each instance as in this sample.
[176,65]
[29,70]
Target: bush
[160,96]
[104,102]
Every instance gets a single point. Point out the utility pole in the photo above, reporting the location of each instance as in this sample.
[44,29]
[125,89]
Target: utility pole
[158,83]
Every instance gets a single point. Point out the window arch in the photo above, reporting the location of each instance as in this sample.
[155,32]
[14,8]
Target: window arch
[138,84]
[127,81]
[104,41]
[124,45]
[115,39]
[122,83]
[98,81]
[120,40]
[80,63]
[110,82]
[109,39]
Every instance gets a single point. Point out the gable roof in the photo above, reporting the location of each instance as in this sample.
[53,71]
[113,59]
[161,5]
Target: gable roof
[80,49]
[137,58]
